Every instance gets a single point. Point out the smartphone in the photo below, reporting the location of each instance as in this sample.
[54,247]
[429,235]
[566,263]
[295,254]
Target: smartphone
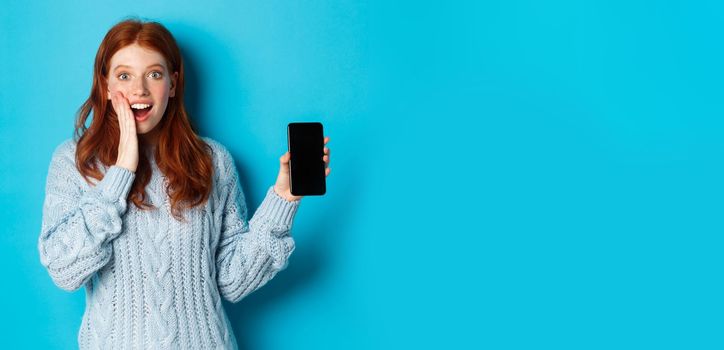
[306,166]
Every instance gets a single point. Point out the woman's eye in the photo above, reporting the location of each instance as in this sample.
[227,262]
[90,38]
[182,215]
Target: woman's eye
[155,75]
[122,75]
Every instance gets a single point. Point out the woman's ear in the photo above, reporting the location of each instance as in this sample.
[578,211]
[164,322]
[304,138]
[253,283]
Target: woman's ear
[174,78]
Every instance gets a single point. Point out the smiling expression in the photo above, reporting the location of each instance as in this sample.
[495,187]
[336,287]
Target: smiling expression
[142,76]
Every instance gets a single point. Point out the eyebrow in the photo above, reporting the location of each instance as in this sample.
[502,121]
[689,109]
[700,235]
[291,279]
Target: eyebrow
[125,66]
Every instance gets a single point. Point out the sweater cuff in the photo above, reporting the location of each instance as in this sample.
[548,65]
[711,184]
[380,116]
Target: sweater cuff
[116,183]
[277,209]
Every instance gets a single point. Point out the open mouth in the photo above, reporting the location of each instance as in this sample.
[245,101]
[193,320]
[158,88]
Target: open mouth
[141,113]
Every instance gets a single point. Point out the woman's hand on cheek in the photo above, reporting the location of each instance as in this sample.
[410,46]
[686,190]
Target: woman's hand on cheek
[282,187]
[128,143]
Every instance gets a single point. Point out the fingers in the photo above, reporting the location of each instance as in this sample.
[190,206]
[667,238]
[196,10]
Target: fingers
[284,158]
[326,156]
[121,104]
[326,153]
[128,142]
[126,121]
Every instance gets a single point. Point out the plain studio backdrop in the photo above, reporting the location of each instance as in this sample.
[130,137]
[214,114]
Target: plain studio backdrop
[505,174]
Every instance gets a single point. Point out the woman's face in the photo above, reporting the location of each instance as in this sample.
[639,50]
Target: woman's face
[142,76]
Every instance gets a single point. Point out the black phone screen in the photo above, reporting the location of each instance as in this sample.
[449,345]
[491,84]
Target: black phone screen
[306,166]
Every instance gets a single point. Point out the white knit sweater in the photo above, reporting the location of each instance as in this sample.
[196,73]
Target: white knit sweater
[153,282]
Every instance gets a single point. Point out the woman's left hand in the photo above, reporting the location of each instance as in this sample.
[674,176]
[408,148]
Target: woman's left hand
[282,185]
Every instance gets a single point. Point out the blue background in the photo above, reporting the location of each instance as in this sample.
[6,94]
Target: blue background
[505,174]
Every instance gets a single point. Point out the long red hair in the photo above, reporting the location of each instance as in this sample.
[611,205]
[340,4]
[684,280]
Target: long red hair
[183,157]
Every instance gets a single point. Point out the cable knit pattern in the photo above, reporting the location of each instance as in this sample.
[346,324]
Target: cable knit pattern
[153,282]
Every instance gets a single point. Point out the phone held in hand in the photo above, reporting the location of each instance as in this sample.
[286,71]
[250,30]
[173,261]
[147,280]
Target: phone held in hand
[306,166]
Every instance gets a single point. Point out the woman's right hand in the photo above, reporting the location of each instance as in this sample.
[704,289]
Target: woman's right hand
[128,145]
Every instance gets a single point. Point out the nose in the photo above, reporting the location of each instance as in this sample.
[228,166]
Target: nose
[139,88]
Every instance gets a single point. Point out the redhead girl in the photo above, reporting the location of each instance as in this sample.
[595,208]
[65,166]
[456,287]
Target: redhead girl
[150,217]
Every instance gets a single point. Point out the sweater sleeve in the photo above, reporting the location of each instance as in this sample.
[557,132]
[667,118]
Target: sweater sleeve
[78,226]
[250,253]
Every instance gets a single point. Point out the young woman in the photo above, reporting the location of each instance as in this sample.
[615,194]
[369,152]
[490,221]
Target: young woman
[149,216]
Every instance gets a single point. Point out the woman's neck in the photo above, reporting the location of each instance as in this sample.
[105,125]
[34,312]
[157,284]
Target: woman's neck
[149,139]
